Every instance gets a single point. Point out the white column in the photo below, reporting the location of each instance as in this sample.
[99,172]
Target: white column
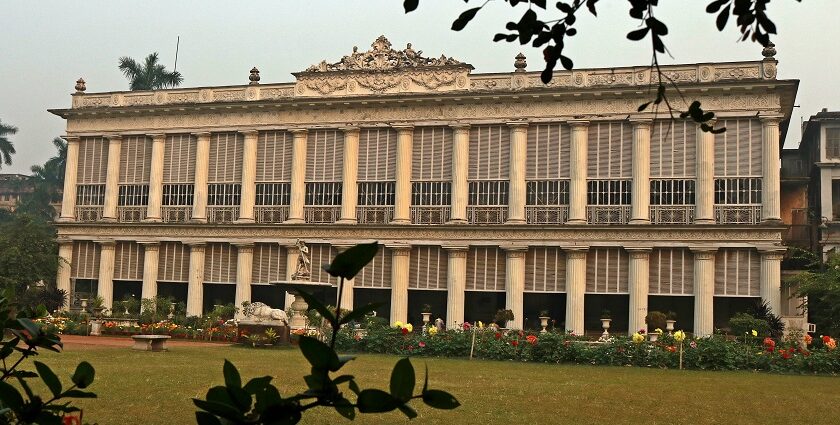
[68,197]
[575,288]
[456,282]
[62,280]
[298,185]
[249,178]
[112,178]
[770,165]
[347,294]
[640,209]
[402,194]
[151,257]
[826,207]
[156,179]
[105,283]
[704,290]
[399,283]
[515,284]
[291,266]
[705,187]
[771,278]
[195,288]
[349,176]
[577,184]
[638,282]
[518,156]
[244,267]
[460,170]
[202,168]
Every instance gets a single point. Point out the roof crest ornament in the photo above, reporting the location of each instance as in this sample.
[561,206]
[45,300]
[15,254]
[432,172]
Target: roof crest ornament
[382,57]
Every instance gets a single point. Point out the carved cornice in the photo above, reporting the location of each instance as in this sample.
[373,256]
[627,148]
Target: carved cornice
[382,57]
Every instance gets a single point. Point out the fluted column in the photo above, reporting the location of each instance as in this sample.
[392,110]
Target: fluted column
[704,290]
[151,258]
[771,278]
[640,209]
[68,197]
[291,266]
[515,284]
[202,168]
[518,155]
[62,280]
[399,283]
[577,184]
[347,294]
[156,179]
[195,288]
[105,283]
[575,288]
[770,165]
[705,187]
[349,176]
[402,194]
[638,283]
[249,178]
[456,283]
[244,267]
[460,170]
[112,178]
[298,185]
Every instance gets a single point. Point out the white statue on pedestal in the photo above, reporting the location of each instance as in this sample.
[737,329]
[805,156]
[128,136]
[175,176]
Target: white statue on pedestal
[304,264]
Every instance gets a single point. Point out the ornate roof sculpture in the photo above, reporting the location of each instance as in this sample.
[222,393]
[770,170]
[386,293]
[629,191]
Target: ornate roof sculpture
[382,57]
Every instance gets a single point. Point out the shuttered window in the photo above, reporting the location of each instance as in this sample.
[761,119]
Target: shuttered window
[671,272]
[324,156]
[673,149]
[93,160]
[486,267]
[128,261]
[179,158]
[548,152]
[832,143]
[274,156]
[321,254]
[428,268]
[225,164]
[545,270]
[135,160]
[85,261]
[219,263]
[377,273]
[738,149]
[174,262]
[489,152]
[610,150]
[737,272]
[269,263]
[606,271]
[432,154]
[376,174]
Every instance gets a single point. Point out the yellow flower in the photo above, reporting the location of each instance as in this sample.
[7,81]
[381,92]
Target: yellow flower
[409,327]
[398,324]
[638,338]
[657,330]
[480,324]
[754,332]
[433,330]
[679,336]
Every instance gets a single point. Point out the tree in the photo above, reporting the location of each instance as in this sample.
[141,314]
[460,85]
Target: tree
[28,251]
[149,75]
[821,288]
[7,149]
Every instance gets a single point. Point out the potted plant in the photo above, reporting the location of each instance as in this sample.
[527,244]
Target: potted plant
[606,318]
[670,320]
[544,320]
[655,319]
[427,314]
[97,304]
[503,317]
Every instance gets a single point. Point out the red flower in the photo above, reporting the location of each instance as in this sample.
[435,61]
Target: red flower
[671,348]
[791,350]
[467,326]
[71,420]
[514,343]
[785,355]
[826,339]
[498,335]
[404,331]
[532,339]
[422,344]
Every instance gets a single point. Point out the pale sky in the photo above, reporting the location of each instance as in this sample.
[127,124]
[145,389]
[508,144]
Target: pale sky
[46,45]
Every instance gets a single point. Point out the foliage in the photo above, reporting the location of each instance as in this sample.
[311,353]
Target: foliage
[655,320]
[127,307]
[50,297]
[821,289]
[503,316]
[20,404]
[155,309]
[29,251]
[761,310]
[258,401]
[671,316]
[7,149]
[606,314]
[149,75]
[48,180]
[744,324]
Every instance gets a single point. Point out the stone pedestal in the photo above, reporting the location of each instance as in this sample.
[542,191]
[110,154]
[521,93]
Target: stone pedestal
[299,308]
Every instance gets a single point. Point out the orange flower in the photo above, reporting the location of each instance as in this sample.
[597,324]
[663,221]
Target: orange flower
[531,339]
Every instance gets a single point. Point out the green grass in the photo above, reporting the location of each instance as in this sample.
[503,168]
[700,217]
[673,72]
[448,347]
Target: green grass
[156,388]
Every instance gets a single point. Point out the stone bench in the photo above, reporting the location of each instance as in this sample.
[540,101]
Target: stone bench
[150,342]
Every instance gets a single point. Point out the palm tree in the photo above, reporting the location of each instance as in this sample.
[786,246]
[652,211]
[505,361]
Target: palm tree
[6,146]
[51,174]
[149,75]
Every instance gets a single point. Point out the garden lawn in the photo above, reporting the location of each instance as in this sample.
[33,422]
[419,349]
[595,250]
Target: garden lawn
[137,387]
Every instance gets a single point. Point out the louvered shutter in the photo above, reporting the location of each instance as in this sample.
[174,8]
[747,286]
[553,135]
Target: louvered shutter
[432,154]
[485,269]
[135,159]
[174,262]
[269,263]
[274,156]
[610,150]
[128,261]
[225,158]
[219,263]
[377,154]
[607,271]
[377,273]
[85,261]
[738,149]
[489,152]
[671,272]
[428,268]
[548,152]
[179,158]
[545,270]
[324,156]
[321,254]
[93,161]
[673,149]
[737,272]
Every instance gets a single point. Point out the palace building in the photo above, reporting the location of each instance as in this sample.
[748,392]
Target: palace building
[487,191]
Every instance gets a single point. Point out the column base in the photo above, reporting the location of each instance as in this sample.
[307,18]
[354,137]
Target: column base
[457,221]
[704,221]
[515,221]
[151,220]
[245,221]
[65,219]
[294,221]
[772,221]
[108,219]
[400,221]
[198,220]
[575,221]
[347,221]
[639,221]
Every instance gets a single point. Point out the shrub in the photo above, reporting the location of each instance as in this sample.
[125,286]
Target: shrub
[655,320]
[743,324]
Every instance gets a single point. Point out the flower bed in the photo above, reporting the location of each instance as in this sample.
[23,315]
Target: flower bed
[219,331]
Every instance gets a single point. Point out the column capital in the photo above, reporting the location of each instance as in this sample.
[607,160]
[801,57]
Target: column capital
[703,252]
[158,137]
[515,251]
[518,125]
[576,252]
[64,241]
[299,131]
[641,122]
[71,138]
[107,243]
[459,126]
[770,119]
[350,130]
[202,134]
[196,246]
[249,132]
[114,137]
[401,250]
[150,245]
[772,252]
[638,252]
[578,123]
[244,247]
[456,251]
[403,128]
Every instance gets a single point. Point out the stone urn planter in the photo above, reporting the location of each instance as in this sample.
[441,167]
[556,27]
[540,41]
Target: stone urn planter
[654,336]
[96,327]
[669,326]
[605,323]
[544,323]
[427,316]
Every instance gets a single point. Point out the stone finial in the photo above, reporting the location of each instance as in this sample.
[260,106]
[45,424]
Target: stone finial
[80,86]
[255,76]
[769,51]
[520,63]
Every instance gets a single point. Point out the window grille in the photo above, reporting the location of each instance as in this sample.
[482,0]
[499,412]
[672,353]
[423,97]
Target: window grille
[488,174]
[428,268]
[545,270]
[486,266]
[269,263]
[90,194]
[133,195]
[737,272]
[325,193]
[174,263]
[178,194]
[273,176]
[377,273]
[671,272]
[832,143]
[93,161]
[273,194]
[607,271]
[224,194]
[376,202]
[431,175]
[85,261]
[547,192]
[219,263]
[609,192]
[488,201]
[135,159]
[324,162]
[128,261]
[430,193]
[735,191]
[376,175]
[609,169]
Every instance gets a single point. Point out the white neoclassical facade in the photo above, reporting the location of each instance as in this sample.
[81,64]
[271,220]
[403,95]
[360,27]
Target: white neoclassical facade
[487,191]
